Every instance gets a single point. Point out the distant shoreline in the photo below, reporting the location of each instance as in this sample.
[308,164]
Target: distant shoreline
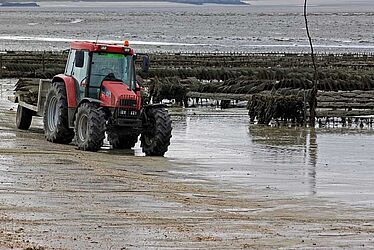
[194,2]
[18,4]
[200,2]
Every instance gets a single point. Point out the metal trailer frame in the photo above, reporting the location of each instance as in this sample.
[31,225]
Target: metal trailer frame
[44,85]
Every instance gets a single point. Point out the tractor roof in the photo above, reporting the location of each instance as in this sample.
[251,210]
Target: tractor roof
[102,47]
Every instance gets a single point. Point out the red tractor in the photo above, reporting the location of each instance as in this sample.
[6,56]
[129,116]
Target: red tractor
[98,94]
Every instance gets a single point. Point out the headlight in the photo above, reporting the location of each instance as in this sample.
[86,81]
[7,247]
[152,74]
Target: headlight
[128,112]
[106,92]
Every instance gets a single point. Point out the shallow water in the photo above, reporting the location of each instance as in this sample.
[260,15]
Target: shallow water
[293,161]
[264,26]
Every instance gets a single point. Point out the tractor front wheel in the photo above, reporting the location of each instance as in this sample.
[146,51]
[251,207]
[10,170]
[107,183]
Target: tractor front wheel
[156,135]
[89,127]
[55,117]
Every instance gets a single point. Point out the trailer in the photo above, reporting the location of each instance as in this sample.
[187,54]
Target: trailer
[26,109]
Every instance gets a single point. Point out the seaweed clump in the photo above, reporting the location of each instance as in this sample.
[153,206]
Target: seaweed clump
[267,106]
[168,88]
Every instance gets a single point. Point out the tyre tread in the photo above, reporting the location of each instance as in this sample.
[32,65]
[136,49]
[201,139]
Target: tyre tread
[63,134]
[162,134]
[96,120]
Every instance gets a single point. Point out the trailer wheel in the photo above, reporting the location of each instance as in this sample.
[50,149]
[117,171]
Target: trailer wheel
[56,126]
[119,141]
[89,127]
[156,135]
[24,117]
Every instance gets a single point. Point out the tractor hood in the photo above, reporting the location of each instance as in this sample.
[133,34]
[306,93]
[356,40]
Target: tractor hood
[117,94]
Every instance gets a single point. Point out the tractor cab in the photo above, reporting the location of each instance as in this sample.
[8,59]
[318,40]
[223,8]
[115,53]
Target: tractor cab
[91,65]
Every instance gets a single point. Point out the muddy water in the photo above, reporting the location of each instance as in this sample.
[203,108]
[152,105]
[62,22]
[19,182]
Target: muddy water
[223,184]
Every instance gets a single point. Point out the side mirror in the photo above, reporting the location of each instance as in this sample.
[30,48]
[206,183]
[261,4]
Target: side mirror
[145,64]
[79,59]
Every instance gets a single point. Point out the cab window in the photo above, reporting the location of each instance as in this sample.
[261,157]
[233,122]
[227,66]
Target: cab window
[110,66]
[80,72]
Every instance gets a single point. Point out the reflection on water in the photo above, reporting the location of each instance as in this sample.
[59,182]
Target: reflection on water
[298,139]
[312,153]
[295,161]
[287,137]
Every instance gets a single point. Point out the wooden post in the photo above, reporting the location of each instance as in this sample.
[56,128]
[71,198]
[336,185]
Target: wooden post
[313,97]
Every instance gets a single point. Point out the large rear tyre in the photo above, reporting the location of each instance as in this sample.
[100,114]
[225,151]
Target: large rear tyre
[156,135]
[24,117]
[119,141]
[89,127]
[55,117]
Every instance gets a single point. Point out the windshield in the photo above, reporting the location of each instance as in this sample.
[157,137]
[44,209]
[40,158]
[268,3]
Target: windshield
[109,66]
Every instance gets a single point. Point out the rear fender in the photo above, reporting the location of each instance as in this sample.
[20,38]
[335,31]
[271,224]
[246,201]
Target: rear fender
[71,90]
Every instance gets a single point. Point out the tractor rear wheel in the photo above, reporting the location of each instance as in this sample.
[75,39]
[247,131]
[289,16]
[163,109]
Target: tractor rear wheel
[119,141]
[156,135]
[89,127]
[24,117]
[56,126]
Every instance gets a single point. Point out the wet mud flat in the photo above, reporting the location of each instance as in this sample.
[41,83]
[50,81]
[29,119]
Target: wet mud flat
[234,186]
